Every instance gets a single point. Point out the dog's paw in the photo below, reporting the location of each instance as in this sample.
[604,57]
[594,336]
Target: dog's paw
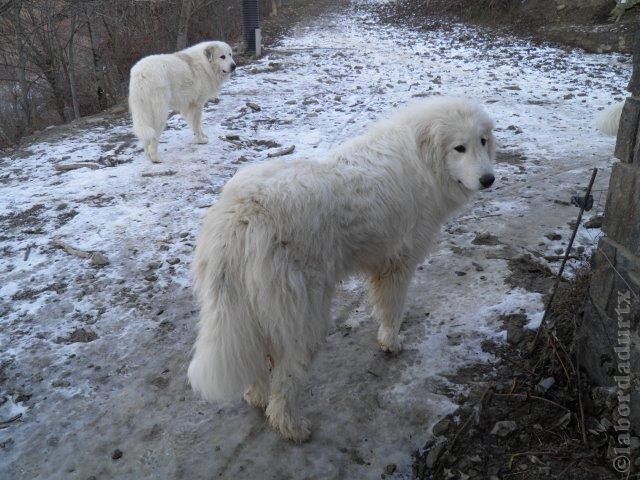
[296,429]
[389,342]
[202,139]
[257,397]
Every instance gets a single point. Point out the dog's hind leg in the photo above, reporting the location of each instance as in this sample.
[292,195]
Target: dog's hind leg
[283,410]
[193,116]
[388,289]
[258,394]
[151,149]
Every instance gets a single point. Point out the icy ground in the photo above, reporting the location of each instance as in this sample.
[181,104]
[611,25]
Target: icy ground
[93,360]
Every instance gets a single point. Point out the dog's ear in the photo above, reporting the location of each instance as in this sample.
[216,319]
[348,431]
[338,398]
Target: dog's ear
[429,145]
[209,52]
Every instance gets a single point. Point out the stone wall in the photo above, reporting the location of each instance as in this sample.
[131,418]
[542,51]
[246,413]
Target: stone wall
[608,341]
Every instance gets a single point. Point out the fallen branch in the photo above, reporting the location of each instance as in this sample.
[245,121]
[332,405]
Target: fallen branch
[97,258]
[281,152]
[66,167]
[527,396]
[5,423]
[166,173]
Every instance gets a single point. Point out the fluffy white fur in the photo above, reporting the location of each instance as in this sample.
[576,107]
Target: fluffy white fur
[183,81]
[608,119]
[284,232]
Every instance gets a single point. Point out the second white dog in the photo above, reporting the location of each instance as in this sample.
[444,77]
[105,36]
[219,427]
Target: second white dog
[285,232]
[608,120]
[183,81]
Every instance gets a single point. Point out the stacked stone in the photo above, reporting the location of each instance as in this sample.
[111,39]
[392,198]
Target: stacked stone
[612,312]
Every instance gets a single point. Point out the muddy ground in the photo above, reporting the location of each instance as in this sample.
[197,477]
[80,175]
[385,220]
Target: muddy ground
[95,346]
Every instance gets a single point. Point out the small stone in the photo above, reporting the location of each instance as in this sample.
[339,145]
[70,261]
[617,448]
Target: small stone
[99,259]
[232,137]
[504,428]
[545,384]
[154,265]
[594,222]
[173,261]
[117,454]
[60,384]
[485,238]
[434,454]
[254,106]
[390,469]
[478,267]
[514,334]
[461,274]
[79,335]
[151,278]
[441,427]
[553,236]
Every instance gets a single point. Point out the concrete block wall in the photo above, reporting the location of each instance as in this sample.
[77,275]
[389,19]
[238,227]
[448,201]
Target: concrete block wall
[608,339]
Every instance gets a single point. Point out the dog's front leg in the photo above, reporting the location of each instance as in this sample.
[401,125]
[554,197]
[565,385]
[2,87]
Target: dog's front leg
[388,291]
[283,411]
[193,116]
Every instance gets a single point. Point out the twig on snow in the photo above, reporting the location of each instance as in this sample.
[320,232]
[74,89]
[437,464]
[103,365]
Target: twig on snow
[281,152]
[66,167]
[97,258]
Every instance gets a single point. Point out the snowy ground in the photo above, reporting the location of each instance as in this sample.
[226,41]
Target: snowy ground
[93,360]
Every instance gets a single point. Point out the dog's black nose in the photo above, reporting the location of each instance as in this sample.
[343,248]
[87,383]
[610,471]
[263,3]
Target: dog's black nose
[487,180]
[233,67]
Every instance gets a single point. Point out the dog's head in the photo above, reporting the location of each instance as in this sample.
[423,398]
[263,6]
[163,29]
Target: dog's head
[219,56]
[457,135]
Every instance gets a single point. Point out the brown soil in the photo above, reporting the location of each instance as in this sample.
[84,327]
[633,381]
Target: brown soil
[561,431]
[576,23]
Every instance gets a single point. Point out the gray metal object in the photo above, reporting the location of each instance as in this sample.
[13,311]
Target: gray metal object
[251,24]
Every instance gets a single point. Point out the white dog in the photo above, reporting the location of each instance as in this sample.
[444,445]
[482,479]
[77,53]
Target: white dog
[182,81]
[283,233]
[608,120]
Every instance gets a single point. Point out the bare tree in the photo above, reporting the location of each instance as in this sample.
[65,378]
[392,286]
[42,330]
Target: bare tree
[186,8]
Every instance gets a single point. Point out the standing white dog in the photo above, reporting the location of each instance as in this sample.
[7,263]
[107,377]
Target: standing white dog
[608,120]
[182,81]
[283,233]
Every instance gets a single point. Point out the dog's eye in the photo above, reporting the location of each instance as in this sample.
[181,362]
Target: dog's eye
[483,141]
[223,57]
[460,148]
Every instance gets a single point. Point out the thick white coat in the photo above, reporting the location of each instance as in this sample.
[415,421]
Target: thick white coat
[608,119]
[284,232]
[183,81]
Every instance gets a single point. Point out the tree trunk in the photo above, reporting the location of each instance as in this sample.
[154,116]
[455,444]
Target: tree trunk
[186,7]
[98,68]
[22,66]
[71,70]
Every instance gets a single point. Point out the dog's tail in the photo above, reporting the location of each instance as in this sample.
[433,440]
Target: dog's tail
[608,120]
[230,351]
[148,106]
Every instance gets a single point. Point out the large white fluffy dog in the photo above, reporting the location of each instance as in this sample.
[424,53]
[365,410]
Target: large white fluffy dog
[608,120]
[182,81]
[283,233]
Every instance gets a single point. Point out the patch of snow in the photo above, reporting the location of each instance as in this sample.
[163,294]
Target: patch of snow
[335,77]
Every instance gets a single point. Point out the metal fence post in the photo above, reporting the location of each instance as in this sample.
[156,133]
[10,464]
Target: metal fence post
[251,23]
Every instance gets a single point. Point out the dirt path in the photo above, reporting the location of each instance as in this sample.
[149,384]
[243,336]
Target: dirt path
[93,359]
